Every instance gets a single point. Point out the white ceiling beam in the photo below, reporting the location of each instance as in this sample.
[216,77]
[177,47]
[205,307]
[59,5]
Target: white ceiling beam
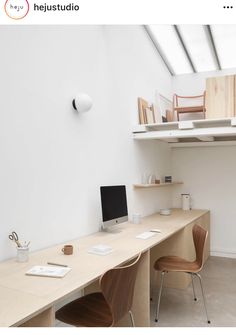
[185,48]
[158,49]
[212,46]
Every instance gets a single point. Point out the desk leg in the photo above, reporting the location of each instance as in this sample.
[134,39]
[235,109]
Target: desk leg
[141,301]
[44,319]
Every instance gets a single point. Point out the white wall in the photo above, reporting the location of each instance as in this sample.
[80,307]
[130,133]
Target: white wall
[54,160]
[208,174]
[195,84]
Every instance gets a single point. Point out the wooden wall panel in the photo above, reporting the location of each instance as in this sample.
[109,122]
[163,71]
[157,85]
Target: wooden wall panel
[220,97]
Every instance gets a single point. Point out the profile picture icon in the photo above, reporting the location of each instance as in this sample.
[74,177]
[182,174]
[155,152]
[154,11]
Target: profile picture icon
[16,9]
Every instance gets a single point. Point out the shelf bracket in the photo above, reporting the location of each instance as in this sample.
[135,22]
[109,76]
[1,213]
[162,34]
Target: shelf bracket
[171,140]
[233,122]
[206,138]
[186,125]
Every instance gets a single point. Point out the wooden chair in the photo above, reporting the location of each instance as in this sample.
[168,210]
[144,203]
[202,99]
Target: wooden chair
[105,308]
[189,109]
[176,264]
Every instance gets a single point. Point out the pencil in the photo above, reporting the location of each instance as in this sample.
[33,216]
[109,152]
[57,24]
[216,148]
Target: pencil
[50,263]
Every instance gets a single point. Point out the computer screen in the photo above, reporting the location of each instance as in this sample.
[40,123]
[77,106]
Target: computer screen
[114,205]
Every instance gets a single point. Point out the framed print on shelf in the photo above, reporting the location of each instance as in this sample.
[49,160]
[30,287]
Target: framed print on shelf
[165,107]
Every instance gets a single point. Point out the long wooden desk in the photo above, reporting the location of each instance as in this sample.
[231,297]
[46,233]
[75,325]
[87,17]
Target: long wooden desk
[30,301]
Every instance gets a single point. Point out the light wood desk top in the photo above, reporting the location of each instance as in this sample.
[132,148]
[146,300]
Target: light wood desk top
[23,296]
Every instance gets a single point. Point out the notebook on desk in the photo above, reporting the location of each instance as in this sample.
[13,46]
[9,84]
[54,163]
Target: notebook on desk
[48,271]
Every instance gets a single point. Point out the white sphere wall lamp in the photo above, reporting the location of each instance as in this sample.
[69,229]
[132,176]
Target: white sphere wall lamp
[82,102]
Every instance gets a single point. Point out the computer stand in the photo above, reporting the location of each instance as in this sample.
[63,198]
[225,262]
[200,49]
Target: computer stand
[111,230]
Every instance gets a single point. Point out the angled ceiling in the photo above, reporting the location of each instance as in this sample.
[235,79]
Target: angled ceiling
[195,48]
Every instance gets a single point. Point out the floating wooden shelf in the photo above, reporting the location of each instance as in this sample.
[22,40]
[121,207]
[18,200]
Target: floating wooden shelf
[157,185]
[207,132]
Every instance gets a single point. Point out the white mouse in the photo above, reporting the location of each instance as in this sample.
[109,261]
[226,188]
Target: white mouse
[155,231]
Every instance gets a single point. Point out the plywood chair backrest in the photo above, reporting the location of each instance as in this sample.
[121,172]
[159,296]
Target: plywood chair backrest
[117,286]
[199,239]
[194,100]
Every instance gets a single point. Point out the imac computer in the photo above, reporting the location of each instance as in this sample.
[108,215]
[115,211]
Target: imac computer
[114,206]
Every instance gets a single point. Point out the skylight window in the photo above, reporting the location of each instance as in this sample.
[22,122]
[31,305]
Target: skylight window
[225,41]
[195,48]
[198,47]
[171,48]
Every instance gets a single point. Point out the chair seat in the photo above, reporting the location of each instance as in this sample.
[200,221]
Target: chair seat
[175,263]
[190,109]
[90,310]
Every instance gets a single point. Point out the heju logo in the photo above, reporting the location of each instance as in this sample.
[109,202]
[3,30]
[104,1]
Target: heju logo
[16,9]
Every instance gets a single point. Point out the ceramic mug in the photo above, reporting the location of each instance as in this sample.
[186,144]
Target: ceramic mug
[67,249]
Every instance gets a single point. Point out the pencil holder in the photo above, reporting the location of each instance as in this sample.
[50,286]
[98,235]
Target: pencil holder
[22,254]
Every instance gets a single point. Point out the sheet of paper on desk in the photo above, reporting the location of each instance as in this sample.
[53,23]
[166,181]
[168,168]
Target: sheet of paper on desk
[146,235]
[48,271]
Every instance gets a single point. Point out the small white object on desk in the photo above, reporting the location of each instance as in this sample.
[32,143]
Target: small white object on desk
[155,230]
[48,271]
[137,218]
[145,235]
[165,211]
[100,249]
[186,201]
